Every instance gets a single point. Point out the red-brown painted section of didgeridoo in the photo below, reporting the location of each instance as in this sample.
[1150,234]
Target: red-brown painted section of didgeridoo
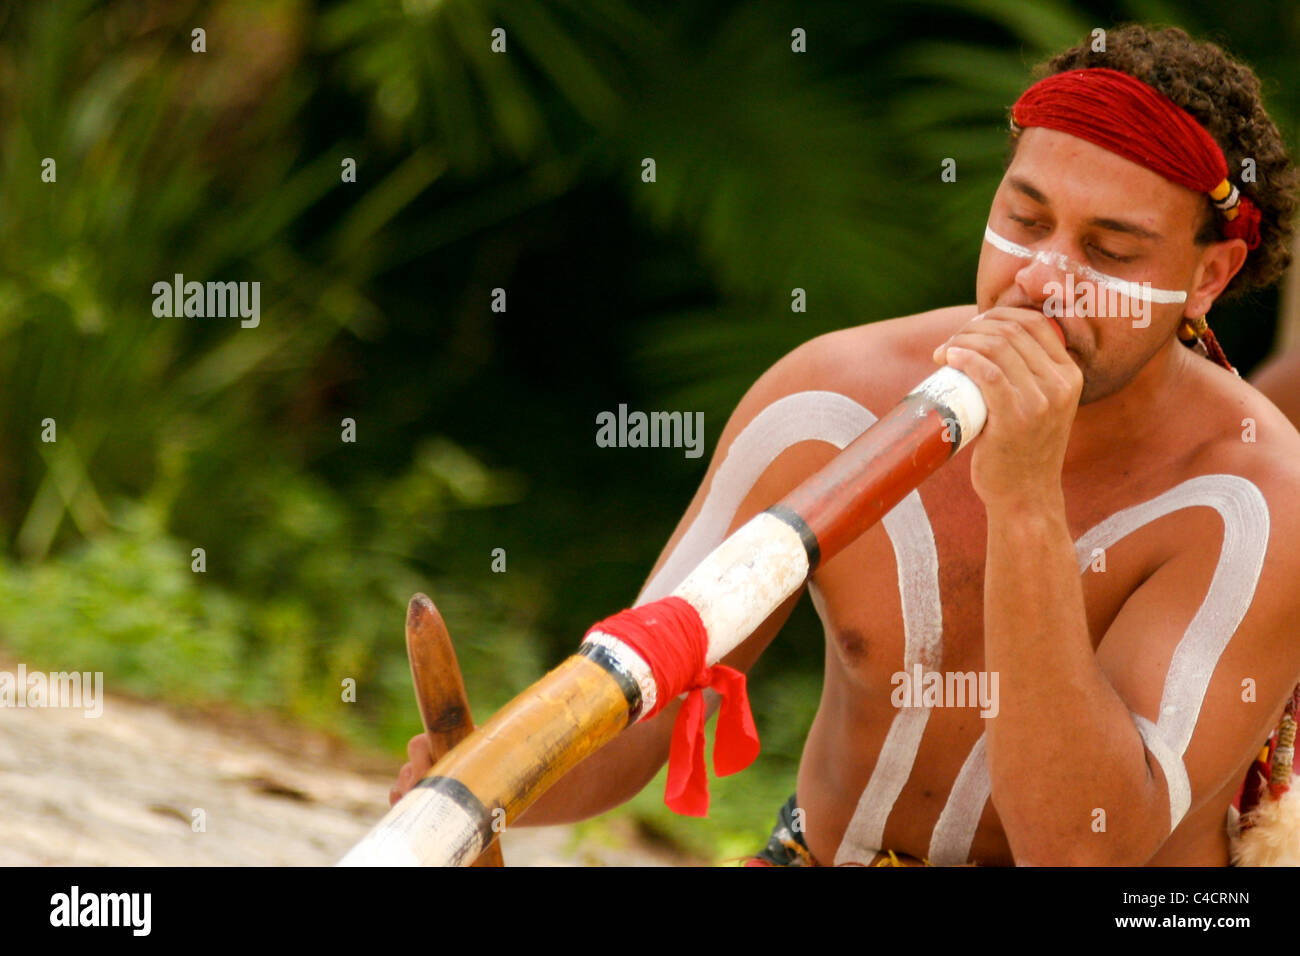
[873,473]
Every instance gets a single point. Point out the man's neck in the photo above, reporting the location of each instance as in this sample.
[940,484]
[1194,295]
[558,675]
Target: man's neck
[1109,429]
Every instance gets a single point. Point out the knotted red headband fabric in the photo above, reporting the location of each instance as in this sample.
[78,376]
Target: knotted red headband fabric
[1120,113]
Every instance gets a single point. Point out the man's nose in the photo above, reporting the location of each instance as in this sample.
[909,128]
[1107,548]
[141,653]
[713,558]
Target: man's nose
[1044,274]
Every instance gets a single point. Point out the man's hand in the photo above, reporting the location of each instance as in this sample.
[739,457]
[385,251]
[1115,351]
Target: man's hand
[1032,388]
[413,772]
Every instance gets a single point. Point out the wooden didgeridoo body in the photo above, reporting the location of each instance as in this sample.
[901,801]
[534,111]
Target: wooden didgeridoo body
[491,777]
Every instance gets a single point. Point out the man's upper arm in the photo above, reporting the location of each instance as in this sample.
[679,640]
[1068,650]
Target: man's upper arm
[769,468]
[1203,652]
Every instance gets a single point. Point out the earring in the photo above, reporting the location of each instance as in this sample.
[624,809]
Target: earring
[1192,328]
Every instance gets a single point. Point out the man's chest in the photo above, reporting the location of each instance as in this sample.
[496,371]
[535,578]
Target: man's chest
[911,591]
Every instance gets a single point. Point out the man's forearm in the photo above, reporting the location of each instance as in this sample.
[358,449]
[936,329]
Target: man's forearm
[1063,744]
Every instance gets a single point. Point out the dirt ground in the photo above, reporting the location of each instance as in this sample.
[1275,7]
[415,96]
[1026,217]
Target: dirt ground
[148,785]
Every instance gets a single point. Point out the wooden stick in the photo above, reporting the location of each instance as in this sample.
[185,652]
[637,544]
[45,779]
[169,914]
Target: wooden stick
[500,769]
[440,690]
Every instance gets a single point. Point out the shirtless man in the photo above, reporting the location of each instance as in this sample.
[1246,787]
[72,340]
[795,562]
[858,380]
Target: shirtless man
[1117,546]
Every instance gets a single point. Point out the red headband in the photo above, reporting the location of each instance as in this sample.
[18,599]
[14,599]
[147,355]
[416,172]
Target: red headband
[1122,114]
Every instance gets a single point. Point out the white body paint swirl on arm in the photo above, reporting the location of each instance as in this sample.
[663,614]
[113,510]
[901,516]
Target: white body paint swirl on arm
[1245,516]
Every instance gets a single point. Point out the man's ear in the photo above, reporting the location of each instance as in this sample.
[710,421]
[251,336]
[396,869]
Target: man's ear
[1219,263]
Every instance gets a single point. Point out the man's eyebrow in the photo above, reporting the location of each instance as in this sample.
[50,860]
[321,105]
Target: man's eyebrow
[1018,184]
[1124,226]
[1100,222]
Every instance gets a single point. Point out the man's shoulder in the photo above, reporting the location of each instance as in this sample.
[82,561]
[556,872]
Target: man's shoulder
[875,363]
[1279,380]
[1247,435]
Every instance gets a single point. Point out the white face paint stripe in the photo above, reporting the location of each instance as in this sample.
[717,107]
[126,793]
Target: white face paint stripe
[953,834]
[1176,780]
[1063,263]
[1246,530]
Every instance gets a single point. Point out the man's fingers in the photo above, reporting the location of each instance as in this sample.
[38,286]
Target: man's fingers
[417,748]
[984,372]
[1035,325]
[1042,329]
[998,347]
[1028,352]
[405,778]
[1034,338]
[1013,340]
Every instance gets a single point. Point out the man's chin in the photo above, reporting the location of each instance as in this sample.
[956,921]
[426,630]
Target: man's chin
[1095,389]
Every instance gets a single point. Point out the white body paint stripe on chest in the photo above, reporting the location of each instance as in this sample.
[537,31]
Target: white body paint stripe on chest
[917,560]
[1245,516]
[951,839]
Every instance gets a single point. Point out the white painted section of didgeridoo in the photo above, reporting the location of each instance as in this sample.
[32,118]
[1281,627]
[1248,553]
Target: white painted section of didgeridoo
[955,391]
[425,828]
[745,579]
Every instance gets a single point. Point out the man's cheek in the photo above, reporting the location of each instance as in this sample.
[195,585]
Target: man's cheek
[989,286]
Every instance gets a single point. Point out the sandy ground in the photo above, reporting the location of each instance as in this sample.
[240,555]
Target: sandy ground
[146,785]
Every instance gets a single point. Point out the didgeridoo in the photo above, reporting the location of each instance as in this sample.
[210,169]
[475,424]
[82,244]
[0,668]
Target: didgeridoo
[486,781]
